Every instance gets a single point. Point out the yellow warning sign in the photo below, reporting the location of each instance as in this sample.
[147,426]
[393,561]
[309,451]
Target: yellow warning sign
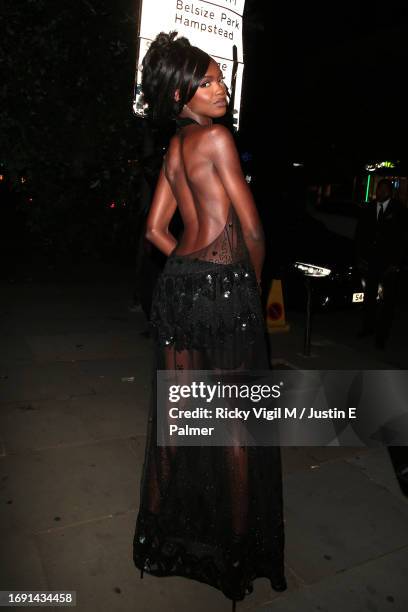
[275,309]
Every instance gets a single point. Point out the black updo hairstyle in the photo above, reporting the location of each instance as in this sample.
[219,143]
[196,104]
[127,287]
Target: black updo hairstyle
[171,64]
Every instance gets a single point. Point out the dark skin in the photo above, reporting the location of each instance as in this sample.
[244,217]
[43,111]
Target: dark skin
[201,174]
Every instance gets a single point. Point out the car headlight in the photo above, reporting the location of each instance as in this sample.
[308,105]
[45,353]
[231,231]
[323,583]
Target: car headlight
[311,270]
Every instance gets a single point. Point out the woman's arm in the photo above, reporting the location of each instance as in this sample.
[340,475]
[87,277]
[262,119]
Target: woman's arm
[224,155]
[161,212]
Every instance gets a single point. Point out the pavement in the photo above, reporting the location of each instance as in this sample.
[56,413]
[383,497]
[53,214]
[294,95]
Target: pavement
[74,376]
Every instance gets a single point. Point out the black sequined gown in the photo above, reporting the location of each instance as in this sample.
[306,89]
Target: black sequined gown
[201,506]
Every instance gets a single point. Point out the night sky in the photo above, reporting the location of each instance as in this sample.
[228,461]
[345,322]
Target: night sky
[334,75]
[319,80]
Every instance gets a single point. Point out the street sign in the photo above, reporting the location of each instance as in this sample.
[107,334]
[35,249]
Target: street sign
[215,27]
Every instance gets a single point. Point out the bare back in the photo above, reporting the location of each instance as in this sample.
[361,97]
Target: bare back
[202,177]
[201,197]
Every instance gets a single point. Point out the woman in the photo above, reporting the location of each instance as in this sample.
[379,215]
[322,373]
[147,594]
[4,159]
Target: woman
[212,514]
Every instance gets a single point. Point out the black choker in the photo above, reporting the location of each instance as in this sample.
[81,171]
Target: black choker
[182,121]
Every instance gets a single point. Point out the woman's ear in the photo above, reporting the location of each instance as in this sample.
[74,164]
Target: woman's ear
[177,95]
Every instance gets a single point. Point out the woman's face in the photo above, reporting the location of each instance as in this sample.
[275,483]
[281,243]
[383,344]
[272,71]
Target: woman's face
[210,99]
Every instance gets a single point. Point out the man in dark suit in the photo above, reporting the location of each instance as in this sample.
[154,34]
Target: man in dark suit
[381,243]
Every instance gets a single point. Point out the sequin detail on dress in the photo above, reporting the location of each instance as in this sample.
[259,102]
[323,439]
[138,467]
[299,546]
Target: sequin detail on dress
[209,298]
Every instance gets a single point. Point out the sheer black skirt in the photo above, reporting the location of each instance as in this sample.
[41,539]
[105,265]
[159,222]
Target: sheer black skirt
[197,501]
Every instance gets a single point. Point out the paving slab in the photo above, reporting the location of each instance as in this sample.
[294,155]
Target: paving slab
[130,377]
[66,379]
[337,518]
[42,309]
[86,346]
[20,563]
[106,578]
[326,353]
[380,585]
[33,425]
[42,381]
[330,453]
[377,466]
[61,486]
[95,559]
[15,349]
[297,458]
[36,425]
[26,324]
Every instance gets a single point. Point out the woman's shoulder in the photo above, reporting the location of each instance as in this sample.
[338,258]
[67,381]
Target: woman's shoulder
[220,132]
[218,137]
[205,140]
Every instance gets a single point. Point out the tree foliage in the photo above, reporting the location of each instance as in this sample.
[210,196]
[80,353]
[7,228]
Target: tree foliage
[66,98]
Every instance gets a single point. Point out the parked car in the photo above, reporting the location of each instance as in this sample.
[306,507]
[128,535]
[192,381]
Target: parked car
[309,252]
